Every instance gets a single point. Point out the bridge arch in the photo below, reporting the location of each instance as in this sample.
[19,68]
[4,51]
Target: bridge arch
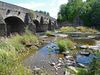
[37,24]
[14,25]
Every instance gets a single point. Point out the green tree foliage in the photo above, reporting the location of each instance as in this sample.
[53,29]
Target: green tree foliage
[70,10]
[43,12]
[95,16]
[88,11]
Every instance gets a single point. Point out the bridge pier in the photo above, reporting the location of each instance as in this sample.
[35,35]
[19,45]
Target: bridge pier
[32,27]
[3,30]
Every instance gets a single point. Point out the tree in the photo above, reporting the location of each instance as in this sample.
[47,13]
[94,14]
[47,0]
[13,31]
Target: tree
[62,13]
[95,16]
[90,13]
[70,10]
[43,12]
[59,19]
[86,12]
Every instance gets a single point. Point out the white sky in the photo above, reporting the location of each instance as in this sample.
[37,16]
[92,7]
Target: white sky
[51,6]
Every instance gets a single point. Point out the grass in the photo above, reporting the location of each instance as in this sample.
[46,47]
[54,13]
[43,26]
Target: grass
[94,67]
[13,49]
[77,29]
[67,29]
[86,29]
[49,33]
[7,61]
[77,71]
[19,42]
[65,44]
[85,41]
[97,54]
[81,71]
[9,64]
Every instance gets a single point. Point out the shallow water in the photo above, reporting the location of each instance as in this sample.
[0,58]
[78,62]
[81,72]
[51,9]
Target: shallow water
[48,54]
[84,59]
[42,58]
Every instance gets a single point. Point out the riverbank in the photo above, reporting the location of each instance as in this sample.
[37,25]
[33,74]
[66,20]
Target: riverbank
[14,49]
[31,52]
[47,56]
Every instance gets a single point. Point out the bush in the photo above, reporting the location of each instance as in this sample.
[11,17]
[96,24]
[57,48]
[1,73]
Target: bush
[49,33]
[20,41]
[85,29]
[67,29]
[77,71]
[81,71]
[21,70]
[29,38]
[94,67]
[8,60]
[10,50]
[65,45]
[77,29]
[15,41]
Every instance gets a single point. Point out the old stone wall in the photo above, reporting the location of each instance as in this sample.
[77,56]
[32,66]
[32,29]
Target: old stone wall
[15,18]
[3,30]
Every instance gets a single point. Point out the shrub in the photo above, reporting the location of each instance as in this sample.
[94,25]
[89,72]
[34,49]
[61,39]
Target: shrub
[81,71]
[77,71]
[94,67]
[15,41]
[49,33]
[67,29]
[29,38]
[21,70]
[77,29]
[20,41]
[8,60]
[85,29]
[10,50]
[65,45]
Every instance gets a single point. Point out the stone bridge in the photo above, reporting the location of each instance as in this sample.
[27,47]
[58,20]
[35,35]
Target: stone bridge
[14,19]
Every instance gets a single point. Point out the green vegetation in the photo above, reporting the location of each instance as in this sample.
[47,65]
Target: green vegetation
[12,50]
[94,68]
[67,29]
[49,33]
[81,71]
[97,54]
[87,11]
[77,71]
[9,61]
[43,12]
[65,44]
[19,42]
[69,10]
[77,29]
[86,29]
[85,41]
[31,14]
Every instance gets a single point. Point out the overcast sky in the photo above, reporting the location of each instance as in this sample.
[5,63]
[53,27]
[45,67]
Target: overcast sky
[51,6]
